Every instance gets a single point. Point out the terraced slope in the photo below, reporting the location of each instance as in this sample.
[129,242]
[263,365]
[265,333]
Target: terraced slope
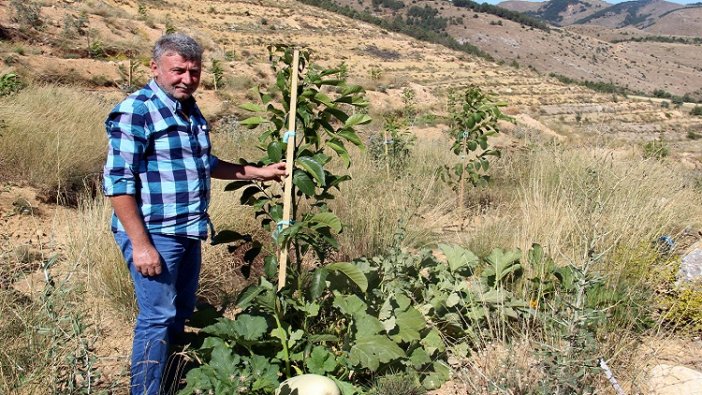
[236,34]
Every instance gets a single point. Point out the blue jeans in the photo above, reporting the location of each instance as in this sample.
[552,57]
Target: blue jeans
[165,302]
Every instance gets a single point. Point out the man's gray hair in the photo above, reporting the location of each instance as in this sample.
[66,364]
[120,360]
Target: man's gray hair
[179,43]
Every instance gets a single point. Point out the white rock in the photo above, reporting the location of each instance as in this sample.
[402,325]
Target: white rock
[691,266]
[674,380]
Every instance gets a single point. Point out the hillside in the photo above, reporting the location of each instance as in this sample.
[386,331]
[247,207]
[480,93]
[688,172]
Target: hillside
[678,22]
[383,61]
[633,66]
[564,12]
[639,14]
[521,6]
[655,16]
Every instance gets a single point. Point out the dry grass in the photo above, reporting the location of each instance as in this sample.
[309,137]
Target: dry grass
[52,137]
[375,204]
[92,248]
[563,196]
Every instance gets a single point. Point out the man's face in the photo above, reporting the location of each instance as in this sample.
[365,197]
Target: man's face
[177,76]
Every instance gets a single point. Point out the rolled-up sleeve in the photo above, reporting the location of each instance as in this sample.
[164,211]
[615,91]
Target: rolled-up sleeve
[127,141]
[214,161]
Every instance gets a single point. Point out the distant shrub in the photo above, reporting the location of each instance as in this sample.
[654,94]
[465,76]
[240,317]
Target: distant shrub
[697,111]
[656,149]
[27,13]
[605,87]
[9,84]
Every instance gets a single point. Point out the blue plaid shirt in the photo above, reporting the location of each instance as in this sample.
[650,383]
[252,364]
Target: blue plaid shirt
[162,157]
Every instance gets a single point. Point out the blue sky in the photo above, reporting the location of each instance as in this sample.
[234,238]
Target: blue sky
[608,1]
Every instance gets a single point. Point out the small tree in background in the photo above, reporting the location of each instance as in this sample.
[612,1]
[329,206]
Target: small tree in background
[217,73]
[475,117]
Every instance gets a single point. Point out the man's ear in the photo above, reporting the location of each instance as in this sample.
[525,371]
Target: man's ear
[154,68]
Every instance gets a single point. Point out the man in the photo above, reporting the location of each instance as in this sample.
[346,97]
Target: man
[157,177]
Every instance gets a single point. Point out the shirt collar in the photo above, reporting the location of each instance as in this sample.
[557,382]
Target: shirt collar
[173,104]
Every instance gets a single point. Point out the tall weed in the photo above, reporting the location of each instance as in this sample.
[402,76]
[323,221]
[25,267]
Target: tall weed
[46,342]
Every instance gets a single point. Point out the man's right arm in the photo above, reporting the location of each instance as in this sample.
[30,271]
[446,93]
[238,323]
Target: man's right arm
[144,256]
[126,134]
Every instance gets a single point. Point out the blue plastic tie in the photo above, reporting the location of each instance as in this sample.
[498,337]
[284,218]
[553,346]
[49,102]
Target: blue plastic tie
[279,228]
[287,135]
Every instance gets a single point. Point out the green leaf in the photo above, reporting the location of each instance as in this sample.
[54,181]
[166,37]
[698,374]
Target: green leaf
[419,358]
[324,99]
[248,194]
[459,258]
[251,107]
[340,150]
[245,328]
[352,89]
[433,342]
[493,296]
[367,325]
[357,119]
[275,151]
[321,361]
[313,168]
[250,328]
[270,266]
[336,113]
[248,295]
[303,182]
[452,300]
[410,323]
[349,304]
[252,122]
[504,262]
[351,136]
[372,351]
[536,255]
[439,375]
[332,82]
[228,236]
[322,338]
[233,186]
[403,302]
[352,272]
[327,219]
[319,283]
[334,181]
[224,362]
[346,388]
[263,373]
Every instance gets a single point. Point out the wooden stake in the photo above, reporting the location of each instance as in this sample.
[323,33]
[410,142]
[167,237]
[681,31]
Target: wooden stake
[289,158]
